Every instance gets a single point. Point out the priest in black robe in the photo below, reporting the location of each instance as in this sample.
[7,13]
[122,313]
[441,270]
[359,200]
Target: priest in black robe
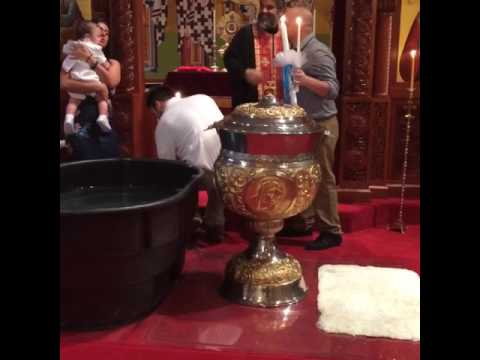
[249,58]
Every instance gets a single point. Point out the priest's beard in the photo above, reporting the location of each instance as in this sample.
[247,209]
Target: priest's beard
[267,22]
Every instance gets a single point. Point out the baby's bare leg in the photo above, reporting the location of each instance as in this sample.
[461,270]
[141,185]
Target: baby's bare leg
[103,107]
[102,120]
[68,125]
[72,106]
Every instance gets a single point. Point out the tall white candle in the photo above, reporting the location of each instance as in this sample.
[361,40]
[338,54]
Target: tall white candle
[299,31]
[283,33]
[413,53]
[315,21]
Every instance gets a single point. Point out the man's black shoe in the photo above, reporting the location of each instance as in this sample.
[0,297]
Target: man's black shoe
[324,241]
[292,232]
[215,234]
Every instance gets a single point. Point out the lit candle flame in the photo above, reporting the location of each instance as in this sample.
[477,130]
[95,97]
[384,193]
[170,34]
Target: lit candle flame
[178,95]
[298,20]
[413,53]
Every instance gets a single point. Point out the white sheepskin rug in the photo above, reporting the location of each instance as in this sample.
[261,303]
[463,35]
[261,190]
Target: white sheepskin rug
[370,301]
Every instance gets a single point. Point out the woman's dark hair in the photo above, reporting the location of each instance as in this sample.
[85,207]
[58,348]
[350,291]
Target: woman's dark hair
[83,28]
[99,19]
[159,93]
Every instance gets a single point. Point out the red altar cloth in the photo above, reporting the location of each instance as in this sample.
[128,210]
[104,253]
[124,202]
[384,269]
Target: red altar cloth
[194,68]
[199,82]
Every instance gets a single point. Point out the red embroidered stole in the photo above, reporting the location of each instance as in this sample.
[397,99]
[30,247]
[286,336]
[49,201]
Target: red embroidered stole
[272,75]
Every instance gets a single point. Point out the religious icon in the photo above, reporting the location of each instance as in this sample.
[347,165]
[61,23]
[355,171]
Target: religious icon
[150,53]
[192,53]
[69,13]
[228,25]
[270,195]
[70,16]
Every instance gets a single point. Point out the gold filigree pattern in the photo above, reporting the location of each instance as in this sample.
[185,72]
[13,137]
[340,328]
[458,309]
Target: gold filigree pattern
[307,181]
[269,113]
[264,273]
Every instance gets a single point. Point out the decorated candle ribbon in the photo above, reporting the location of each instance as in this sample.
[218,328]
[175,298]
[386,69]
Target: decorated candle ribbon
[288,60]
[289,93]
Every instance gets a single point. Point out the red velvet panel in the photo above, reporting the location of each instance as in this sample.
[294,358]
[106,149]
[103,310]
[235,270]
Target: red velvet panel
[195,82]
[277,144]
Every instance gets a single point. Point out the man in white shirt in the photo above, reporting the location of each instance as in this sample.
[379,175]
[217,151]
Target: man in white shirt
[180,135]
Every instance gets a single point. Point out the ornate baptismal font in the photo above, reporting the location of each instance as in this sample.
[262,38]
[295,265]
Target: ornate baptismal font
[266,172]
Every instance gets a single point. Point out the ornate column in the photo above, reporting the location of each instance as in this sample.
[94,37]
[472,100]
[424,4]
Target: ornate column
[383,46]
[355,143]
[359,40]
[356,103]
[381,84]
[127,38]
[150,41]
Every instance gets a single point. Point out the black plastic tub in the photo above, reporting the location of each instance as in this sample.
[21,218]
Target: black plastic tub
[124,225]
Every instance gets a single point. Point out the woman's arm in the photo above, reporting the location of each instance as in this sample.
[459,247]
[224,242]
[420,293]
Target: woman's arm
[110,74]
[83,87]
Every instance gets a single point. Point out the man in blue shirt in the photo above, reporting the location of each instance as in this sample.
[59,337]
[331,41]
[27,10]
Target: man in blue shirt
[318,89]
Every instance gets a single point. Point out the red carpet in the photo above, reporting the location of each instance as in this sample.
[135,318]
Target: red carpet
[196,323]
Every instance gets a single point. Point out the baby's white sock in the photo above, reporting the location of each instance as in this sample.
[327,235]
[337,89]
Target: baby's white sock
[103,123]
[68,127]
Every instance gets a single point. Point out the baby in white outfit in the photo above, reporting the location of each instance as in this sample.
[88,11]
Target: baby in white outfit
[88,36]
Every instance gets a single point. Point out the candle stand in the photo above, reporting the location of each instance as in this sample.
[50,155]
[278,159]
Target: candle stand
[399,225]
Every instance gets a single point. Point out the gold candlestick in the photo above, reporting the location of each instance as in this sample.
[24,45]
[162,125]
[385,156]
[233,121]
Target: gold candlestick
[221,51]
[214,66]
[399,225]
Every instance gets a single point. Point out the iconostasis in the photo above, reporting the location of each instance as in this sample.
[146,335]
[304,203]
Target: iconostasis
[179,33]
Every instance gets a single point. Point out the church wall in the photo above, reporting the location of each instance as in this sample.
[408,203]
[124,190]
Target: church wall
[169,58]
